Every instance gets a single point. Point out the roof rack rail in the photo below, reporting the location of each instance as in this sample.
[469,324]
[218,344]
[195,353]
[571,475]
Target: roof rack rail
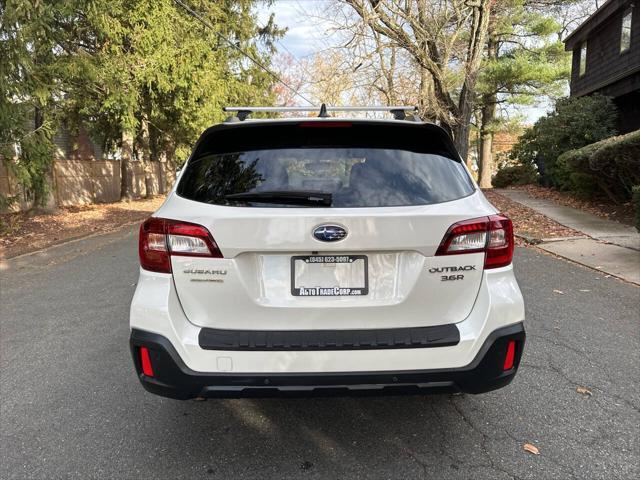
[399,111]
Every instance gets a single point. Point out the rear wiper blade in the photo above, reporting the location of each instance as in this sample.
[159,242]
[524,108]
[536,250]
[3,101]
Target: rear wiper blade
[285,197]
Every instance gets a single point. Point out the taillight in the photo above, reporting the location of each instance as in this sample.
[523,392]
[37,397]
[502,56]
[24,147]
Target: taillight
[500,242]
[161,238]
[492,235]
[152,246]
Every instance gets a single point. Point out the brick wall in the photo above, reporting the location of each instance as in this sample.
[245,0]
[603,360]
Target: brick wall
[503,142]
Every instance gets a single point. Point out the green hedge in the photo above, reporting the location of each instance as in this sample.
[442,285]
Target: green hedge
[574,123]
[574,163]
[610,167]
[514,175]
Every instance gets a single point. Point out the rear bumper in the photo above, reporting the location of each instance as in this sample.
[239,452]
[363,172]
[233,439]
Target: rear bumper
[172,378]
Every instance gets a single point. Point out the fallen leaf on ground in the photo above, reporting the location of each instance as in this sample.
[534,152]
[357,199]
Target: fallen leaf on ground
[29,231]
[527,447]
[531,225]
[623,213]
[584,391]
[558,291]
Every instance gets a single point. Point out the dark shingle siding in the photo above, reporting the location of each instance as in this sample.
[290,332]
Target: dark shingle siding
[605,64]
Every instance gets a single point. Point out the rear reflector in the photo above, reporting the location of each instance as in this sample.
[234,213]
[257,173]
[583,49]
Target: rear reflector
[161,238]
[510,356]
[145,361]
[492,235]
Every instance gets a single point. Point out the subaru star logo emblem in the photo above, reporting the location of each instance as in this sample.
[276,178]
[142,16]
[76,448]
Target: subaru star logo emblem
[329,233]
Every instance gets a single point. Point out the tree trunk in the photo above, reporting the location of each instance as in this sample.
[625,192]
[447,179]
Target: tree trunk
[38,121]
[485,163]
[43,198]
[475,49]
[489,102]
[461,136]
[126,169]
[145,149]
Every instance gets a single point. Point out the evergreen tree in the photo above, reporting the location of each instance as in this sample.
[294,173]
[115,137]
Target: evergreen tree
[524,61]
[145,76]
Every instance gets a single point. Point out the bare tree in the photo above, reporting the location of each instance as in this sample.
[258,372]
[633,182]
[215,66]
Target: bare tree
[295,73]
[446,40]
[443,55]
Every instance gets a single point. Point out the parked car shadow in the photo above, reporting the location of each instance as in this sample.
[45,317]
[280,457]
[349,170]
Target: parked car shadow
[400,436]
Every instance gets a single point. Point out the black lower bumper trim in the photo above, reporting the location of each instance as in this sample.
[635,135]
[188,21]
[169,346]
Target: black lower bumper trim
[302,340]
[172,378]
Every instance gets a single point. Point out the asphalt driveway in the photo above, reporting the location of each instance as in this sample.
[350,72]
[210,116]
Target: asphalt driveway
[71,406]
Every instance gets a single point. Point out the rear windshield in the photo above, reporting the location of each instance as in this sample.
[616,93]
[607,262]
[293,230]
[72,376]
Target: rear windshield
[330,176]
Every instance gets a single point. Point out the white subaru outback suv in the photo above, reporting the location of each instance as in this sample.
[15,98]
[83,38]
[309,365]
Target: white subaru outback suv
[325,256]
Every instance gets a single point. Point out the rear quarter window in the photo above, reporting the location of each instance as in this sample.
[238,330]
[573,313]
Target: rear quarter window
[352,166]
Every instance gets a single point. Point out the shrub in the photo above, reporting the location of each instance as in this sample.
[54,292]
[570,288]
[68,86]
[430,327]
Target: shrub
[515,175]
[574,123]
[561,173]
[610,167]
[616,163]
[636,204]
[572,171]
[584,185]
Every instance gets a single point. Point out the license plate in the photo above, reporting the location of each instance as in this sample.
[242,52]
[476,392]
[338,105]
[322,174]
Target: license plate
[329,275]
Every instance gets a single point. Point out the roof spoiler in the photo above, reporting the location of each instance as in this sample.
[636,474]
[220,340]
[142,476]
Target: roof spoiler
[399,111]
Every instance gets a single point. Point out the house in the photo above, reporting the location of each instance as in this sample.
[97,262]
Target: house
[606,58]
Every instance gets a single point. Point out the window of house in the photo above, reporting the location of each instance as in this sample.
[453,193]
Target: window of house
[583,59]
[625,34]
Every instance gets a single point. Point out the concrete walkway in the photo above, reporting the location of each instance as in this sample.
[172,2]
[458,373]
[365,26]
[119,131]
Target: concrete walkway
[612,248]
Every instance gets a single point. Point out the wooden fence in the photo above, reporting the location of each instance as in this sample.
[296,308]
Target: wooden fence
[82,182]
